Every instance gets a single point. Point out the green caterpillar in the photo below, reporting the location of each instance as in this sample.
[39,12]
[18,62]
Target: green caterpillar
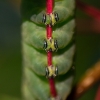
[35,85]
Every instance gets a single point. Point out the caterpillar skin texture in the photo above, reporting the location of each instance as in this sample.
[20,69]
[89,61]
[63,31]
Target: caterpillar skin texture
[35,85]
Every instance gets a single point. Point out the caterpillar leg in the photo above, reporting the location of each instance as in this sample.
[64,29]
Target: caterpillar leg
[45,44]
[51,71]
[50,19]
[56,16]
[50,45]
[44,18]
[56,44]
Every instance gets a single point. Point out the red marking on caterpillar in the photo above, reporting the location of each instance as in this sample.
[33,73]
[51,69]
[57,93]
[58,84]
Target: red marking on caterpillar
[49,7]
[49,31]
[49,58]
[52,87]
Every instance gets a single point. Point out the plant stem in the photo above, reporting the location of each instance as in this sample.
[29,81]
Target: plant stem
[98,94]
[89,79]
[89,10]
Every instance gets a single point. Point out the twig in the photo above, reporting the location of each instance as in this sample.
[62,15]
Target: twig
[89,10]
[98,94]
[89,79]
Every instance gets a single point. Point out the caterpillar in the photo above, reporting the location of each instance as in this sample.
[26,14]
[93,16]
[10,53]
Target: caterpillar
[35,86]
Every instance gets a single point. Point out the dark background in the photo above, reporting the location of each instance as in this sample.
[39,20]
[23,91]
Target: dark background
[87,51]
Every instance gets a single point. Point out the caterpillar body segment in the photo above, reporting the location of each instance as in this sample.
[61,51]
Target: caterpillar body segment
[62,59]
[61,8]
[35,85]
[35,35]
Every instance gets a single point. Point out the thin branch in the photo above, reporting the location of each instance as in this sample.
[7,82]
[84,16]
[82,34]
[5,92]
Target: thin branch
[89,10]
[89,79]
[98,94]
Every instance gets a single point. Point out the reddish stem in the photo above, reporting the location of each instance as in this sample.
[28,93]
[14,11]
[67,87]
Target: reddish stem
[49,9]
[98,94]
[91,11]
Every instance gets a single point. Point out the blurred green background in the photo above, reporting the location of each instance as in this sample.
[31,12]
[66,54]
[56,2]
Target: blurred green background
[10,51]
[87,48]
